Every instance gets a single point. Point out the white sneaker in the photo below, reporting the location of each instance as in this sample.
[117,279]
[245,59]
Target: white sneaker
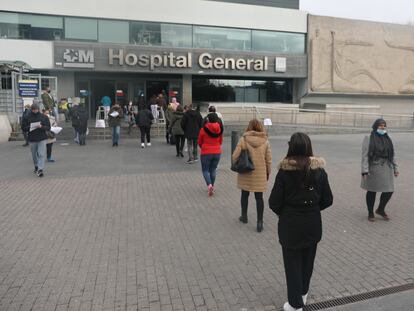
[142,145]
[288,307]
[304,298]
[148,144]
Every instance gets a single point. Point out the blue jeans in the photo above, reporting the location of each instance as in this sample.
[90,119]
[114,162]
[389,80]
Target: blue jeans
[38,153]
[116,130]
[209,163]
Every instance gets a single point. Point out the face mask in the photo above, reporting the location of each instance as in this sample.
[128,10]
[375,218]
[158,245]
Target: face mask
[381,132]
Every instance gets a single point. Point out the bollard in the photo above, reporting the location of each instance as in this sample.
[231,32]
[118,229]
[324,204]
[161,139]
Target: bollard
[234,141]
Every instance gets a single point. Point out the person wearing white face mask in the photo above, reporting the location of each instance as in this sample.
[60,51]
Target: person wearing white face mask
[378,169]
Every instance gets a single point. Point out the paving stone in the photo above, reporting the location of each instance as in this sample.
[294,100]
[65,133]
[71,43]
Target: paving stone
[127,229]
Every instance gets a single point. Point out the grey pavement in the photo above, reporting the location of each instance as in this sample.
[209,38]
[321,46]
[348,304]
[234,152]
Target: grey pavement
[131,229]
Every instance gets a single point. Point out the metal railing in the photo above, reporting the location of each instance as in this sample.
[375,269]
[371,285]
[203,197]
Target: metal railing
[326,118]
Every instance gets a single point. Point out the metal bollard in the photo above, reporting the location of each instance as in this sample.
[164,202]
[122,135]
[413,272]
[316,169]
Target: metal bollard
[234,141]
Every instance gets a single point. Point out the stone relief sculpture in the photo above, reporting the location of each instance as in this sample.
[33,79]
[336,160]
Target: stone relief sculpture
[360,57]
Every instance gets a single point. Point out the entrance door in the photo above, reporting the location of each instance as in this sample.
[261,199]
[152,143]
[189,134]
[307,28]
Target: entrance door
[156,88]
[99,89]
[83,91]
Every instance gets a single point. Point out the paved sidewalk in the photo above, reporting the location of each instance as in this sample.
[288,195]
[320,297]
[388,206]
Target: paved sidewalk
[131,229]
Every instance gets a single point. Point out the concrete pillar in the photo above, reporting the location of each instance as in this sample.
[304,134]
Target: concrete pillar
[187,89]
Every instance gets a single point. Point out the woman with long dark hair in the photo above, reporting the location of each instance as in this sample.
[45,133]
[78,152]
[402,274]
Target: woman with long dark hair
[300,192]
[256,142]
[378,168]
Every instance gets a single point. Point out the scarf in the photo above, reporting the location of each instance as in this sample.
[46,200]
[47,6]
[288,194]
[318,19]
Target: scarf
[380,146]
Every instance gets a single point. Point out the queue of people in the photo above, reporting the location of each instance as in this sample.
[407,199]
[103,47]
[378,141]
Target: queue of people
[300,192]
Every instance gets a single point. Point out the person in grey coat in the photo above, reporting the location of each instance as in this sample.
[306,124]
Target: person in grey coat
[378,168]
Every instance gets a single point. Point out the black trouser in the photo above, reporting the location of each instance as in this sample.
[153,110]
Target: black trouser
[298,269]
[26,137]
[259,204]
[49,150]
[82,138]
[145,132]
[385,197]
[179,143]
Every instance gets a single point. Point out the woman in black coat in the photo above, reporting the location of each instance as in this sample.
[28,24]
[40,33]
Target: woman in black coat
[300,192]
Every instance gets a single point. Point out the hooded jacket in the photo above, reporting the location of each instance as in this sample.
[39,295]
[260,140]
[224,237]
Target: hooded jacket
[211,138]
[299,207]
[259,150]
[192,123]
[175,123]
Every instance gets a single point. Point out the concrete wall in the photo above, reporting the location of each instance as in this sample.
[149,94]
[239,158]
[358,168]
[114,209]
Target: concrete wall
[359,57]
[38,54]
[288,4]
[66,83]
[179,11]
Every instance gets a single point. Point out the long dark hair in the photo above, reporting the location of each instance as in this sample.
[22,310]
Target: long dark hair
[300,150]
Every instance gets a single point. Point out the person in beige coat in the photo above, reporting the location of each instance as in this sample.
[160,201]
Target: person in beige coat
[256,142]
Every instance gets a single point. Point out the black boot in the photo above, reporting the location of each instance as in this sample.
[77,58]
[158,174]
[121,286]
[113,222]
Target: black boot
[259,226]
[243,217]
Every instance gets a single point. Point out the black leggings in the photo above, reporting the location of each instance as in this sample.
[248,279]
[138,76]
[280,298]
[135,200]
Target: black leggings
[179,143]
[259,204]
[49,150]
[145,132]
[385,197]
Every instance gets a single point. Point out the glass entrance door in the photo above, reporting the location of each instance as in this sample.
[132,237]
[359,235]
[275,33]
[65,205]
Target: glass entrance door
[154,88]
[83,91]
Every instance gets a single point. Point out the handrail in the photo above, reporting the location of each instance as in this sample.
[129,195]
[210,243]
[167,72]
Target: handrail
[257,107]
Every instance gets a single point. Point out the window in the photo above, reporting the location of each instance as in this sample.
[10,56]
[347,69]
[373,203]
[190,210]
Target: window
[176,35]
[30,26]
[222,38]
[81,28]
[278,42]
[242,91]
[145,33]
[113,31]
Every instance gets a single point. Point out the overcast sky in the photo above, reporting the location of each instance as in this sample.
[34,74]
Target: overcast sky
[393,11]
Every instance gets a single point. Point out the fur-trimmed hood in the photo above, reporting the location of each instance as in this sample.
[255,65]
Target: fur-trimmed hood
[290,165]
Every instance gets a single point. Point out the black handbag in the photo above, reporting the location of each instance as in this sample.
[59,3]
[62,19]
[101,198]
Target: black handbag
[244,163]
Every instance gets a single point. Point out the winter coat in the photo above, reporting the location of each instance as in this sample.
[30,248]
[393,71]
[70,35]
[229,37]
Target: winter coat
[259,150]
[53,123]
[144,117]
[211,138]
[175,123]
[38,134]
[380,172]
[115,121]
[80,116]
[299,208]
[47,101]
[192,123]
[25,115]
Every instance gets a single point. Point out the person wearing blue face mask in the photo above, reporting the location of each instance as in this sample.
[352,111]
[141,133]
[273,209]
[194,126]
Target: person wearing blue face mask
[378,169]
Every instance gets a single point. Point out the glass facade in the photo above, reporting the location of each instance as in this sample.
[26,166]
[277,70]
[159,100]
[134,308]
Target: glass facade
[81,28]
[179,36]
[30,26]
[278,42]
[222,38]
[113,31]
[47,27]
[143,33]
[240,90]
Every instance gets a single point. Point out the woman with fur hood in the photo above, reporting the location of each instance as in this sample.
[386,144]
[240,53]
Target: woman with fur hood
[301,191]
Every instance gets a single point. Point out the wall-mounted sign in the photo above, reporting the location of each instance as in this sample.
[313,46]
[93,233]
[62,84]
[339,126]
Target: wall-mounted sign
[28,88]
[132,58]
[78,58]
[280,64]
